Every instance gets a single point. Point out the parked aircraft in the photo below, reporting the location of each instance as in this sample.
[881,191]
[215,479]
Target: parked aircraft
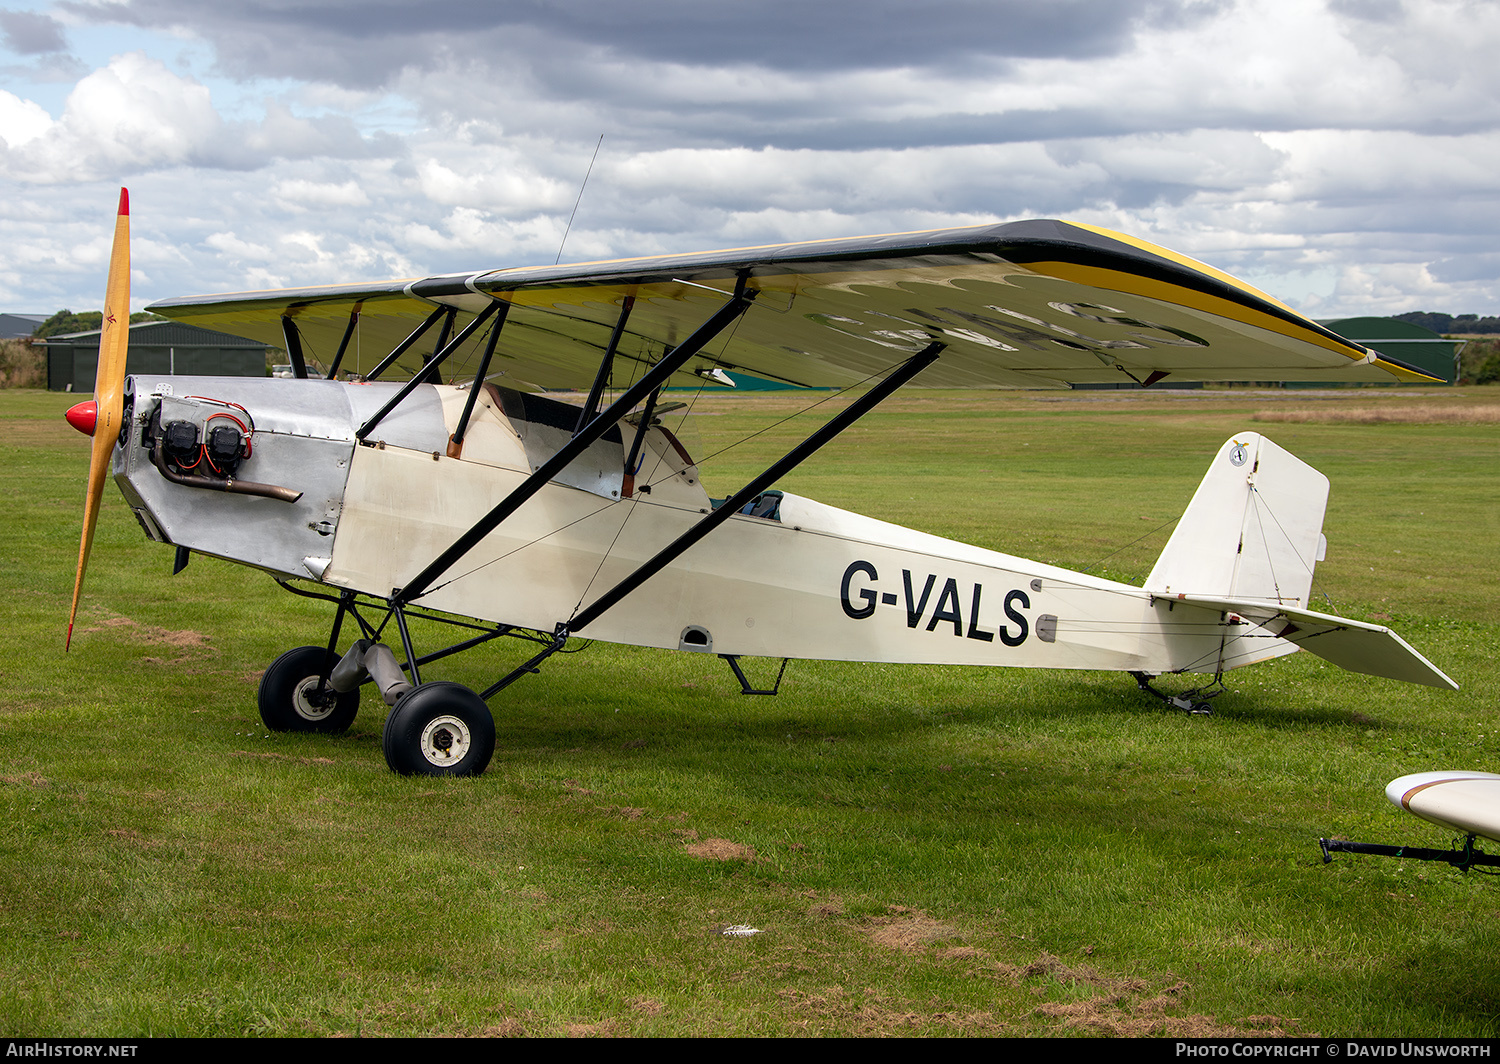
[494,507]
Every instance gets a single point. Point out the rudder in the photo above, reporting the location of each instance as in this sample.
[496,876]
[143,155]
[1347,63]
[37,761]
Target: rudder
[1253,531]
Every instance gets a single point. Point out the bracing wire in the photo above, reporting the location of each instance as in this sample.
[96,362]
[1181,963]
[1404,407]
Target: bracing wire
[579,200]
[1132,543]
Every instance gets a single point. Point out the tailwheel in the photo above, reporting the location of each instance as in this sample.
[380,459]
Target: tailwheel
[439,729]
[292,699]
[1195,703]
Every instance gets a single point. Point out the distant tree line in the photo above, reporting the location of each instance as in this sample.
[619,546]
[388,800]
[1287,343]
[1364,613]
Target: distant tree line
[65,321]
[24,365]
[1451,323]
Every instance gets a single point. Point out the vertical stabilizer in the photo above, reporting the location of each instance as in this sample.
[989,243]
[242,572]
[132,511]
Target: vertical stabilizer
[1253,532]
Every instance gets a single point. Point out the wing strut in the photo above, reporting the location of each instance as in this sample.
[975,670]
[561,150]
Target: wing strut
[852,413]
[400,349]
[430,368]
[428,373]
[857,409]
[294,347]
[653,379]
[333,370]
[605,365]
[456,441]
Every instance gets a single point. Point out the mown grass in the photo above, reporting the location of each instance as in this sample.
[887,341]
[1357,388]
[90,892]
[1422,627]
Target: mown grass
[925,850]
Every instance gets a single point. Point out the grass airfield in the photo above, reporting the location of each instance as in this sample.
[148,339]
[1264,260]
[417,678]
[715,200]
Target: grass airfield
[924,850]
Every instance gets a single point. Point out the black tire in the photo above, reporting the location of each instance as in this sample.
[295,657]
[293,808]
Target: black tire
[439,729]
[286,696]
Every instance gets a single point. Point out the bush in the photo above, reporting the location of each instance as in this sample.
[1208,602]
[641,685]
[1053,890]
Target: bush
[1480,361]
[22,365]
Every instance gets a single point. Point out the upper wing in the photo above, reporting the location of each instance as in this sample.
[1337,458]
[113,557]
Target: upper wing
[1026,304]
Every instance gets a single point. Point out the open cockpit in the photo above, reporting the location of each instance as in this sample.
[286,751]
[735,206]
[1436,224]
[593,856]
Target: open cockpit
[636,457]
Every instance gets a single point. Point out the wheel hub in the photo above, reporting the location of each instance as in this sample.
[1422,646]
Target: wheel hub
[311,703]
[445,741]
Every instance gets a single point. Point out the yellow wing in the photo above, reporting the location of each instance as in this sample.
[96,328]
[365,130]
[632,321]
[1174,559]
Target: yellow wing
[1031,304]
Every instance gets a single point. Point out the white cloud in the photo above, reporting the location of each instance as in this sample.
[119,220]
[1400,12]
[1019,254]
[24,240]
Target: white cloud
[491,180]
[136,112]
[21,121]
[1401,287]
[297,194]
[243,250]
[129,116]
[1343,165]
[135,115]
[1332,152]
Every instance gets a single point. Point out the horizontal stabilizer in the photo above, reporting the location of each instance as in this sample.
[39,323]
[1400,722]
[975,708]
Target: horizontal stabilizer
[1354,645]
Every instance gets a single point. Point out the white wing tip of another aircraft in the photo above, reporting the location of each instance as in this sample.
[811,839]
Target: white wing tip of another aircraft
[1457,799]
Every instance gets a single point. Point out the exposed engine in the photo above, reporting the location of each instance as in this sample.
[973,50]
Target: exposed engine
[200,446]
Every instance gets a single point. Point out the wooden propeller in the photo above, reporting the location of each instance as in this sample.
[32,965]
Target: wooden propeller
[101,417]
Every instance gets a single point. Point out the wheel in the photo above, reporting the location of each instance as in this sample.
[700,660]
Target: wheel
[289,700]
[439,729]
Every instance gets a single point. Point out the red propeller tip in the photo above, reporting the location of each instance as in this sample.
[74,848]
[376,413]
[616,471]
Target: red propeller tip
[84,417]
[124,201]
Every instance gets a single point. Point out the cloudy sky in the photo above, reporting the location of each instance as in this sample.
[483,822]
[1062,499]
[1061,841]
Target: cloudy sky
[1341,154]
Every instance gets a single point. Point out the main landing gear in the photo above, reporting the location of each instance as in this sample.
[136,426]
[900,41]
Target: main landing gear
[437,728]
[434,729]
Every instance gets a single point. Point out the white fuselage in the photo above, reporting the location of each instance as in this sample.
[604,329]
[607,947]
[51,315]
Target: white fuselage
[811,581]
